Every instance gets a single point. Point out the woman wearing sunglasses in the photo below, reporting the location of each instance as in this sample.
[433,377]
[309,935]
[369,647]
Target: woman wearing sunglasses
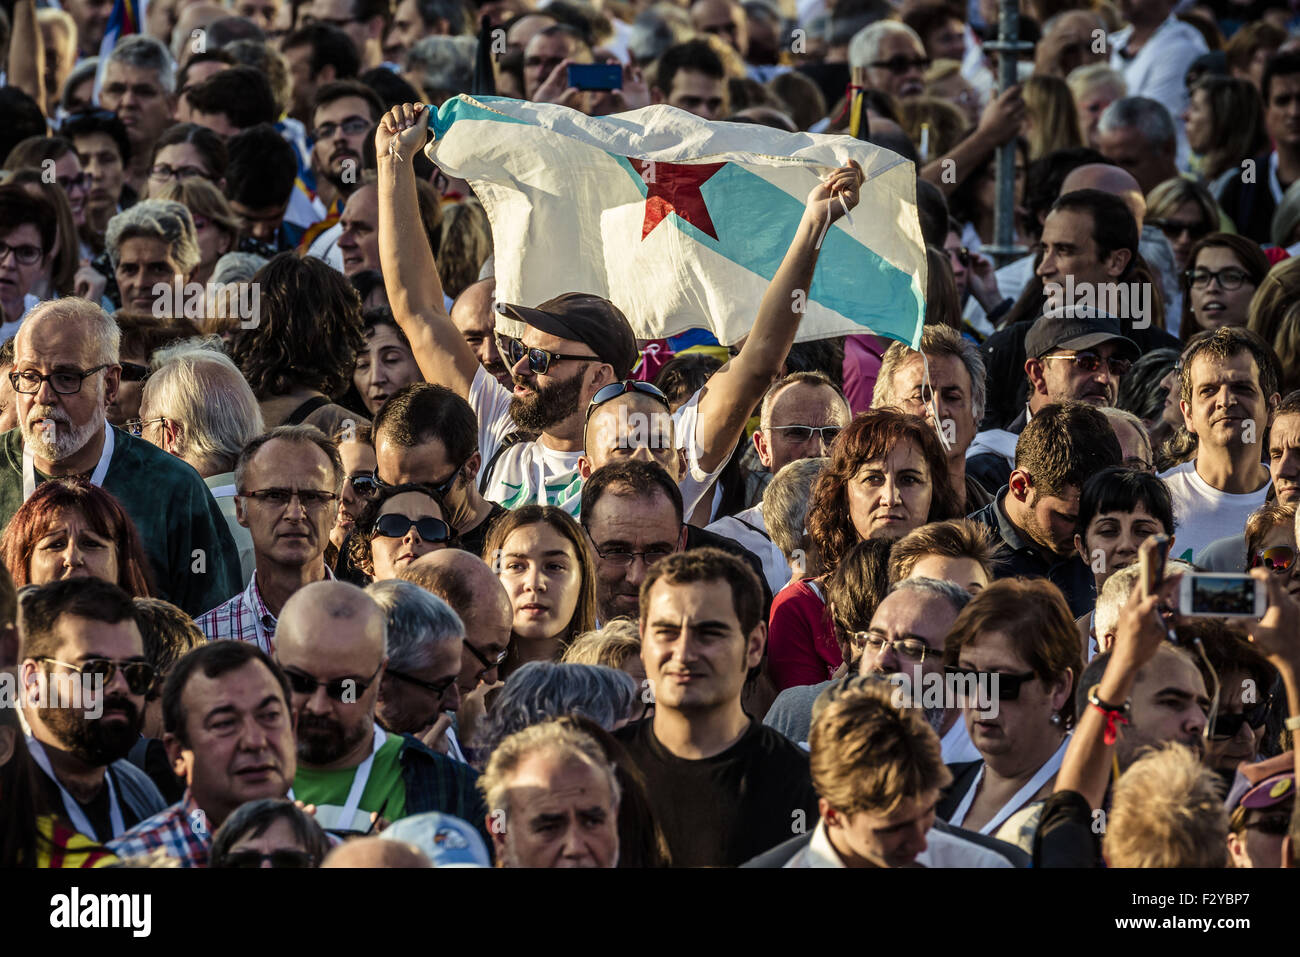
[1016,644]
[1271,543]
[397,526]
[272,832]
[358,455]
[70,528]
[1223,271]
[542,557]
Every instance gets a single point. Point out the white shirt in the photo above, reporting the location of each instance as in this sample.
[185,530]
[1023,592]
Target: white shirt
[942,850]
[1203,514]
[529,473]
[326,246]
[776,569]
[1158,69]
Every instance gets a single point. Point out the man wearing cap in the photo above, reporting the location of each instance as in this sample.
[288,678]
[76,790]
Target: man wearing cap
[1072,353]
[573,346]
[1260,804]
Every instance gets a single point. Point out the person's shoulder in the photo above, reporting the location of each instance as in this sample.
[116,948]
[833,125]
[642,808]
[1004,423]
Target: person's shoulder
[957,847]
[780,855]
[138,453]
[773,746]
[413,751]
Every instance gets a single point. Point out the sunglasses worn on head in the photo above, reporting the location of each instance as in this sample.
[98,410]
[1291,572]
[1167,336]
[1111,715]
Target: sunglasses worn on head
[396,526]
[139,675]
[344,690]
[539,360]
[1008,685]
[615,389]
[280,858]
[1279,558]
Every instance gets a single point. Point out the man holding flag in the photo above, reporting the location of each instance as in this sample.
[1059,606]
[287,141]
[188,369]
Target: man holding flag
[576,344]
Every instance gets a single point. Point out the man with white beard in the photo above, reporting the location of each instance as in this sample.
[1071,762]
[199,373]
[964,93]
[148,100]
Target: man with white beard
[66,371]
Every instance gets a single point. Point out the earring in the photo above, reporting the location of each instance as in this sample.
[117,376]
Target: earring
[1056,719]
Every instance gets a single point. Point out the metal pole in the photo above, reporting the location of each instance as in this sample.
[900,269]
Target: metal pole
[1008,48]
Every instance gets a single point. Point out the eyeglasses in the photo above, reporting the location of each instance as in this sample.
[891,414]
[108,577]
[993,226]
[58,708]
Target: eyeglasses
[488,664]
[1227,725]
[69,183]
[163,172]
[139,675]
[365,485]
[281,497]
[539,360]
[1091,362]
[1279,558]
[396,526]
[615,389]
[898,65]
[438,688]
[911,648]
[352,126]
[134,372]
[1008,685]
[1275,825]
[25,255]
[1174,229]
[136,427]
[343,690]
[622,558]
[1228,278]
[64,383]
[802,433]
[282,858]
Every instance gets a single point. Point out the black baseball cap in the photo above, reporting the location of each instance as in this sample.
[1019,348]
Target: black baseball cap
[583,317]
[1070,328]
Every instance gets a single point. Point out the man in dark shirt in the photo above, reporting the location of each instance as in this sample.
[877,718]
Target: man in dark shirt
[1033,516]
[722,786]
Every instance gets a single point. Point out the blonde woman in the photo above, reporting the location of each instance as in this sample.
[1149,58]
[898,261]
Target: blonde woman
[1094,88]
[1051,119]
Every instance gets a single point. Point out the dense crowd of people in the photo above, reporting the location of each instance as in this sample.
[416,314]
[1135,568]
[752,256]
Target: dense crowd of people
[315,554]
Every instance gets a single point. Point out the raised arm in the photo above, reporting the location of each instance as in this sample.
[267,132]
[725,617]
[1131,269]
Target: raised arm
[732,392]
[410,273]
[27,54]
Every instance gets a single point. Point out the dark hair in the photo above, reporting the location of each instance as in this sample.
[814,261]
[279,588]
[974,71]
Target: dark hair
[932,209]
[262,168]
[310,331]
[870,436]
[23,118]
[142,334]
[1248,253]
[641,479]
[168,634]
[855,589]
[1045,175]
[213,659]
[707,565]
[254,818]
[20,208]
[41,606]
[391,89]
[1065,443]
[341,89]
[695,55]
[330,46]
[1123,490]
[1284,64]
[363,530]
[927,17]
[1113,225]
[963,200]
[241,93]
[365,282]
[1226,342]
[684,375]
[18,827]
[420,412]
[1237,127]
[34,150]
[208,144]
[90,122]
[1139,390]
[209,55]
[819,355]
[102,512]
[457,13]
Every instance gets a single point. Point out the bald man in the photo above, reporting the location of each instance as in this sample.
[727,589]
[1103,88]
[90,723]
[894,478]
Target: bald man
[331,642]
[1108,179]
[474,314]
[375,852]
[66,362]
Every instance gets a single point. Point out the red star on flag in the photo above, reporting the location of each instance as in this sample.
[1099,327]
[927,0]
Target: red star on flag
[675,188]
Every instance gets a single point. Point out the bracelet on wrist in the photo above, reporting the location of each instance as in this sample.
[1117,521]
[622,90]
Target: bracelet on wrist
[1115,714]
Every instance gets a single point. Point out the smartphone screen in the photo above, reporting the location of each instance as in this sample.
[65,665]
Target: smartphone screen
[1220,595]
[595,76]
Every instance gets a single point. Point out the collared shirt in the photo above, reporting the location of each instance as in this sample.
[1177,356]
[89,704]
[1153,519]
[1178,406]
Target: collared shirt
[182,831]
[222,488]
[1020,555]
[244,618]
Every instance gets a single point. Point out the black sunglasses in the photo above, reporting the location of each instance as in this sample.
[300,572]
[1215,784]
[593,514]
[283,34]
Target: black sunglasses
[396,526]
[139,675]
[1008,685]
[615,389]
[483,659]
[434,687]
[1227,725]
[343,690]
[364,486]
[539,360]
[283,858]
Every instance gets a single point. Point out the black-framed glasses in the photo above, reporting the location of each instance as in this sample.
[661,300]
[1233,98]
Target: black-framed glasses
[612,391]
[1008,685]
[139,675]
[623,558]
[1091,362]
[343,690]
[1279,558]
[912,649]
[438,688]
[1175,228]
[161,172]
[279,858]
[25,254]
[539,360]
[136,427]
[487,663]
[352,126]
[69,183]
[1227,725]
[1230,277]
[281,497]
[29,382]
[802,433]
[429,529]
[134,372]
[898,65]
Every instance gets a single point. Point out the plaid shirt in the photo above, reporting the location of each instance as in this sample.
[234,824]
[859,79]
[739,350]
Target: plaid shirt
[181,831]
[244,617]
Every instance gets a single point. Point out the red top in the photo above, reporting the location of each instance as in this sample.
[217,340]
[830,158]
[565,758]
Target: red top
[801,646]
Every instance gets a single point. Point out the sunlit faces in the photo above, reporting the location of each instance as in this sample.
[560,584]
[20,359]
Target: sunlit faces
[1255,846]
[338,154]
[279,836]
[391,554]
[907,82]
[407,707]
[1112,539]
[1283,535]
[472,313]
[1070,250]
[1284,458]
[629,524]
[794,409]
[562,813]
[867,839]
[295,534]
[1063,379]
[543,575]
[543,54]
[17,279]
[358,459]
[1134,447]
[359,241]
[966,572]
[695,654]
[1214,306]
[541,402]
[1169,703]
[1049,520]
[142,263]
[907,616]
[1227,406]
[890,496]
[100,158]
[1020,724]
[632,427]
[137,96]
[1197,121]
[384,367]
[949,391]
[71,548]
[1224,754]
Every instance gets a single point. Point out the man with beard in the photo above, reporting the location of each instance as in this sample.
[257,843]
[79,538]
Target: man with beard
[66,371]
[574,345]
[331,642]
[344,115]
[230,736]
[85,676]
[1033,516]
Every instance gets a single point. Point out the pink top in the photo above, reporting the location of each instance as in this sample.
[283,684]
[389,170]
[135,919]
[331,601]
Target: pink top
[862,355]
[801,646]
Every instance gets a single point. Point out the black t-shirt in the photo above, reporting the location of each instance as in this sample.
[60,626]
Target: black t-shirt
[475,539]
[97,810]
[723,810]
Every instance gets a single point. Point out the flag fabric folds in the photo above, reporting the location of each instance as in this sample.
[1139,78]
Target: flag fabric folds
[126,17]
[680,222]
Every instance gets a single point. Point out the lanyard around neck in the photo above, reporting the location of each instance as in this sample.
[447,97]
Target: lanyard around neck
[80,822]
[96,478]
[1021,798]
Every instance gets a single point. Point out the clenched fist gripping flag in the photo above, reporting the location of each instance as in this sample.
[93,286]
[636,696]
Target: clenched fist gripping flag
[679,222]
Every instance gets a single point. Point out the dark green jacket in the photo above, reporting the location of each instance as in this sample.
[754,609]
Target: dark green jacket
[193,560]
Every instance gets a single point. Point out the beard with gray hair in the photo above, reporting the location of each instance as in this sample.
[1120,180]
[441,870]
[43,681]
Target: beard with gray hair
[60,438]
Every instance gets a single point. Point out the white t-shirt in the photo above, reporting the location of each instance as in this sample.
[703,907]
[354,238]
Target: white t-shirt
[528,473]
[1203,514]
[775,568]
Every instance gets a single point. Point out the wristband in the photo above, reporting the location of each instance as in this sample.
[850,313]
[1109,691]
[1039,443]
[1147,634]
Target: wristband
[1114,715]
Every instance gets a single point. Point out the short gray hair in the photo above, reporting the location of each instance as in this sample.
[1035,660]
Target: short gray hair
[785,504]
[237,267]
[1115,592]
[303,435]
[104,331]
[205,392]
[1147,116]
[542,689]
[950,592]
[864,48]
[162,219]
[935,341]
[419,624]
[443,64]
[143,52]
